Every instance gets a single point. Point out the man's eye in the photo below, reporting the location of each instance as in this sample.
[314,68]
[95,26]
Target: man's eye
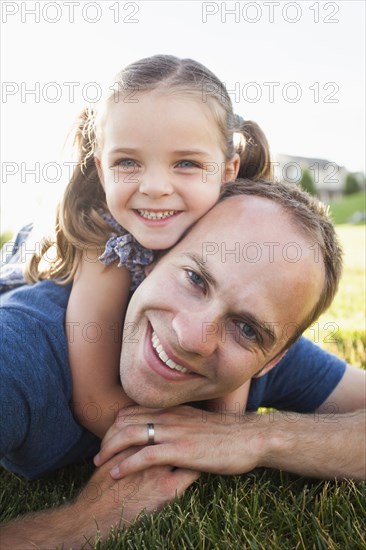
[247,330]
[196,279]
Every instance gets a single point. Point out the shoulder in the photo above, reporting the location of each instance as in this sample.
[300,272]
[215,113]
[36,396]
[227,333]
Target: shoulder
[301,381]
[32,319]
[44,299]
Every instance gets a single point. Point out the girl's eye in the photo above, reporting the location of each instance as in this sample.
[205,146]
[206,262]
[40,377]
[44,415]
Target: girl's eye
[187,164]
[247,330]
[126,164]
[196,279]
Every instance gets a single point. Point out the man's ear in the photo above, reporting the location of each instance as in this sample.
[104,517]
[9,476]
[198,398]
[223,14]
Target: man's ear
[98,164]
[270,365]
[231,169]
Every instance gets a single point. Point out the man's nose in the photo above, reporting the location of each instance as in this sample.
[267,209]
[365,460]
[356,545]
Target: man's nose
[156,184]
[197,331]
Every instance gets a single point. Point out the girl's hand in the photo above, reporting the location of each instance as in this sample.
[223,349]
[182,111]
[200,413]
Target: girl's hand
[185,437]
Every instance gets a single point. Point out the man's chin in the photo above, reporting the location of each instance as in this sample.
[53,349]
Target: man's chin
[150,401]
[145,395]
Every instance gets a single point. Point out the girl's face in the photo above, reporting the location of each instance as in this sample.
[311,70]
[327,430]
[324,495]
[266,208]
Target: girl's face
[161,165]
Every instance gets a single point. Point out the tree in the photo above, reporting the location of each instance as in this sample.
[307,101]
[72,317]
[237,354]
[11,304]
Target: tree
[351,186]
[307,182]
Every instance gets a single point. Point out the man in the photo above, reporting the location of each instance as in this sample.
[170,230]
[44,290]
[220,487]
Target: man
[210,317]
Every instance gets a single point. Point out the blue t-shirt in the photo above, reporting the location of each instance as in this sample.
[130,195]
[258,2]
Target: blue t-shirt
[38,430]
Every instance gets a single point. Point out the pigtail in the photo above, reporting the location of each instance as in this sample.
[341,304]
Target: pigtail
[253,148]
[78,222]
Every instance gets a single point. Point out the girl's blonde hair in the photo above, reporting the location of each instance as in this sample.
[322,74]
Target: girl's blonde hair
[78,220]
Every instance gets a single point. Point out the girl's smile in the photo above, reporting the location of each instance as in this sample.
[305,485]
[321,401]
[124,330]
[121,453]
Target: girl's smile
[157,217]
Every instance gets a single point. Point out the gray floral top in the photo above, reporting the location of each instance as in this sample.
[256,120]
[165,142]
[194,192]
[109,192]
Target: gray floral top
[121,246]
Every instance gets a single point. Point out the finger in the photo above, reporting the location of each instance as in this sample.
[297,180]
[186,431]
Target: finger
[136,413]
[124,417]
[132,416]
[151,455]
[128,436]
[183,478]
[100,475]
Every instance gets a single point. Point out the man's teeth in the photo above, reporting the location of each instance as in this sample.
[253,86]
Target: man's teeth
[163,356]
[157,215]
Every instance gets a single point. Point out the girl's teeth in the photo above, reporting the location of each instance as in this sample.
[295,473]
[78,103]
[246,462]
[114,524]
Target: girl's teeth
[164,357]
[162,214]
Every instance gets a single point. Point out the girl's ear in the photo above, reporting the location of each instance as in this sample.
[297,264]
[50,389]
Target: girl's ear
[270,365]
[98,164]
[231,169]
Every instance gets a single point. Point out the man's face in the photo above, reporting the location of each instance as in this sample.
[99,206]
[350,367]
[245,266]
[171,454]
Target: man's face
[219,306]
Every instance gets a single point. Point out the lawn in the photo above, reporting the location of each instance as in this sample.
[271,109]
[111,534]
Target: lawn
[343,209]
[262,510]
[345,320]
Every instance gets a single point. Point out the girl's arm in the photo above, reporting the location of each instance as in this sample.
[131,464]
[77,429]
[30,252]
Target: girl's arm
[232,403]
[94,323]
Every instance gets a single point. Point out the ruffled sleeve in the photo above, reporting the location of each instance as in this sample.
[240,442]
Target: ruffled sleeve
[13,258]
[122,246]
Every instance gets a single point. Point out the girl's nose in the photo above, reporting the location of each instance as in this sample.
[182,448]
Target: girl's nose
[156,185]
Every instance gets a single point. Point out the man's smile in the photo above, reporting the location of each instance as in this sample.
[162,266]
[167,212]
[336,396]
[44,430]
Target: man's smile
[164,357]
[162,361]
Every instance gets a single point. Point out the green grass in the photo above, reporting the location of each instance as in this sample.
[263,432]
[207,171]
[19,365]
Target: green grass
[343,209]
[262,510]
[5,237]
[346,316]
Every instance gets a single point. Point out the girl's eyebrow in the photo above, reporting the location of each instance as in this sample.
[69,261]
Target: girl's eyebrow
[131,150]
[127,150]
[190,152]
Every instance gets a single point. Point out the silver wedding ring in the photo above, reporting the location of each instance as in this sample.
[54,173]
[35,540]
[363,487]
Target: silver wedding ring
[150,434]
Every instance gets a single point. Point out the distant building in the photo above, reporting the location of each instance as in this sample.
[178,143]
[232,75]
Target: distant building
[329,178]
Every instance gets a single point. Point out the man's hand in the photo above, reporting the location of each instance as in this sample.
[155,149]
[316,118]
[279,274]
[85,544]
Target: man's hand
[103,504]
[326,446]
[112,502]
[185,437]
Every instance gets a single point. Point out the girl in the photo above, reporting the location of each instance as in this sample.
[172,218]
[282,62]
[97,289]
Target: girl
[152,161]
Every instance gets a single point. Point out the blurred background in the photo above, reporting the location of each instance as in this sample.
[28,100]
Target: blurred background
[296,68]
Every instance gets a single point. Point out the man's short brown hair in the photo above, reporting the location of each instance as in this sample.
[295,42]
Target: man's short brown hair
[311,218]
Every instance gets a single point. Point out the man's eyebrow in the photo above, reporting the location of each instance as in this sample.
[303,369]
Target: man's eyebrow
[262,326]
[202,267]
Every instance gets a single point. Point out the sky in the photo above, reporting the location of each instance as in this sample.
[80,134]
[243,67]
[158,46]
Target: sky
[296,68]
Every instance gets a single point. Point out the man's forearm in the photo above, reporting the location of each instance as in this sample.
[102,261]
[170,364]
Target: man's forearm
[49,529]
[92,515]
[101,505]
[324,446]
